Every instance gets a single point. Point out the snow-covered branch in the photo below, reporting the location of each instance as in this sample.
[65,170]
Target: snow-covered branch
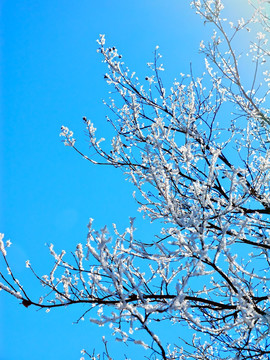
[198,156]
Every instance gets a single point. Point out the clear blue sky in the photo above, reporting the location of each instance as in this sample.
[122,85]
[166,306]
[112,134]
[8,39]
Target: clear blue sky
[52,76]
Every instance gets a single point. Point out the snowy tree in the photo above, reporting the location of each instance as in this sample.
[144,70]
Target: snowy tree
[198,156]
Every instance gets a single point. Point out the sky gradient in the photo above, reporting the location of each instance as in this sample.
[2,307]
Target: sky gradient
[53,76]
